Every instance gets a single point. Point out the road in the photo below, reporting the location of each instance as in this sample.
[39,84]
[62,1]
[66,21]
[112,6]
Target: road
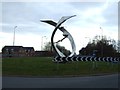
[106,81]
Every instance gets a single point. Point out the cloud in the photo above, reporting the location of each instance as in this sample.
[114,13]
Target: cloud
[21,40]
[26,15]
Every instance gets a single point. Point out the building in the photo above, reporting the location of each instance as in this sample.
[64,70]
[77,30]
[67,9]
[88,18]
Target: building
[43,54]
[17,51]
[29,51]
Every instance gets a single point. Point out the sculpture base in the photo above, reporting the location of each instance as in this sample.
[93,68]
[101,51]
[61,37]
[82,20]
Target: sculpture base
[85,58]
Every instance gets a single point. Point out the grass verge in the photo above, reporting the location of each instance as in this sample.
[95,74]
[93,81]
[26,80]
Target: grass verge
[43,66]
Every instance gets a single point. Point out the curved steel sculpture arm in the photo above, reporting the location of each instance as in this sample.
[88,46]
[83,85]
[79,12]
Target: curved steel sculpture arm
[66,34]
[69,36]
[63,19]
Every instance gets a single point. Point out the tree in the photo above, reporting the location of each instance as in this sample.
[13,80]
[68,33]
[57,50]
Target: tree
[118,46]
[63,50]
[48,47]
[103,47]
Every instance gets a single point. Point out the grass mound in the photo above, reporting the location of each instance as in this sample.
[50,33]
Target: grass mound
[43,66]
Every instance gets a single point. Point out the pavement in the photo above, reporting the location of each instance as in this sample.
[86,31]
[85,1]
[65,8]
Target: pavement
[105,81]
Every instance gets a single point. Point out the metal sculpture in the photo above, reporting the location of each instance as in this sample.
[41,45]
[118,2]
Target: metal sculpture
[72,57]
[66,34]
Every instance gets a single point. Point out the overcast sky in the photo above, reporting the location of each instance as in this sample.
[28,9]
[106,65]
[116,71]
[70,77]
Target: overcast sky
[31,32]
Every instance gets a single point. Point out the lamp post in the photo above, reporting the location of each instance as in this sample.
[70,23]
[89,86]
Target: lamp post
[14,36]
[102,41]
[42,42]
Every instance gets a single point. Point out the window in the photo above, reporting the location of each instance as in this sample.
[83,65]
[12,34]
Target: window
[6,50]
[12,50]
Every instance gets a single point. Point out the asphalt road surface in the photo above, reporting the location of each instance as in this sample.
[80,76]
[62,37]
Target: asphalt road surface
[106,81]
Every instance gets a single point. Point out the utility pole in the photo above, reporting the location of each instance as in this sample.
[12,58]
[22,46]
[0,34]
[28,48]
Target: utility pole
[42,42]
[14,36]
[102,41]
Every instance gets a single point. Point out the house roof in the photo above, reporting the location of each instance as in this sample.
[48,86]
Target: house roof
[28,48]
[16,47]
[12,47]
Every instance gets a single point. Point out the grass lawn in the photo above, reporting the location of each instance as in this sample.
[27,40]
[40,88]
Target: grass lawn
[43,66]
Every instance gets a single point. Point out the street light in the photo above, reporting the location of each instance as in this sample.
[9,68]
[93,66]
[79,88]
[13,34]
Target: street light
[102,41]
[14,36]
[42,42]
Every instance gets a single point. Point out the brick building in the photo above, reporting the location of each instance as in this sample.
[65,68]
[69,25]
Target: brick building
[17,51]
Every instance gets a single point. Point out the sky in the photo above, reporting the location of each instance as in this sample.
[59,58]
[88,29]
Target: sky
[30,32]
